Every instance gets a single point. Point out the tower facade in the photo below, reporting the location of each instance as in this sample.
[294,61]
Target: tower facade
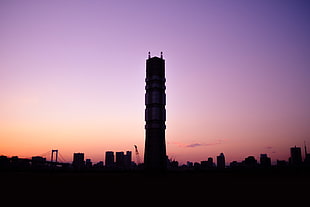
[155,114]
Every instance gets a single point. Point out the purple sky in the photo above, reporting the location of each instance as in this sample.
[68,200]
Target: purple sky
[72,76]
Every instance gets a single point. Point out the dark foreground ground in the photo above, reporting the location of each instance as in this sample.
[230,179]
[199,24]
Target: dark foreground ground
[244,187]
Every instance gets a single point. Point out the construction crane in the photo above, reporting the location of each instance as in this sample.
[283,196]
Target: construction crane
[137,155]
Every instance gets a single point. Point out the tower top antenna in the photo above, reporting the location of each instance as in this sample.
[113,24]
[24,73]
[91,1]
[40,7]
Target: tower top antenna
[161,55]
[149,54]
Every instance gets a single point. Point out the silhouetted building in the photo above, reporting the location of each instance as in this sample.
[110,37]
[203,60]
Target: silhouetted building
[173,164]
[38,161]
[220,161]
[119,162]
[307,160]
[204,164]
[235,164]
[250,162]
[123,160]
[265,161]
[17,162]
[207,164]
[282,163]
[155,114]
[189,164]
[127,159]
[78,160]
[98,164]
[307,157]
[109,159]
[196,165]
[4,162]
[88,163]
[295,158]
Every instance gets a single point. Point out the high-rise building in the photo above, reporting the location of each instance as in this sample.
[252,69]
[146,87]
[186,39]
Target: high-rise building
[109,159]
[295,158]
[307,157]
[127,159]
[119,162]
[155,157]
[78,160]
[220,161]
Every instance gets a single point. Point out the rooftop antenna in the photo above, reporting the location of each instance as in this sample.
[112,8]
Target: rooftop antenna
[149,55]
[161,55]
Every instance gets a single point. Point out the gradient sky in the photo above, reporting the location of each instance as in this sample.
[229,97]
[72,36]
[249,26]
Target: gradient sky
[72,76]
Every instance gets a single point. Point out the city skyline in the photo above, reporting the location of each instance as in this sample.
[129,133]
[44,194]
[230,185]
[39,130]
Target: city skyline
[72,77]
[125,161]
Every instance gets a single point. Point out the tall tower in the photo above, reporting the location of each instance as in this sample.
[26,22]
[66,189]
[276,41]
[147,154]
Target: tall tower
[155,114]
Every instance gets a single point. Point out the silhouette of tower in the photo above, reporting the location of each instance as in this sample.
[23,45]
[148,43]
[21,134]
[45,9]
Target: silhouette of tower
[220,161]
[155,114]
[109,159]
[295,158]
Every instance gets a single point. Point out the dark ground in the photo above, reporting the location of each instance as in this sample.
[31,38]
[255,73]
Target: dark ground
[244,187]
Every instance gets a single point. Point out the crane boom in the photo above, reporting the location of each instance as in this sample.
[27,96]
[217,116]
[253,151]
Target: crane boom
[137,155]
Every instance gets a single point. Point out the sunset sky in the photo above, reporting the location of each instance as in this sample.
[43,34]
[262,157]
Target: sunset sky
[72,76]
